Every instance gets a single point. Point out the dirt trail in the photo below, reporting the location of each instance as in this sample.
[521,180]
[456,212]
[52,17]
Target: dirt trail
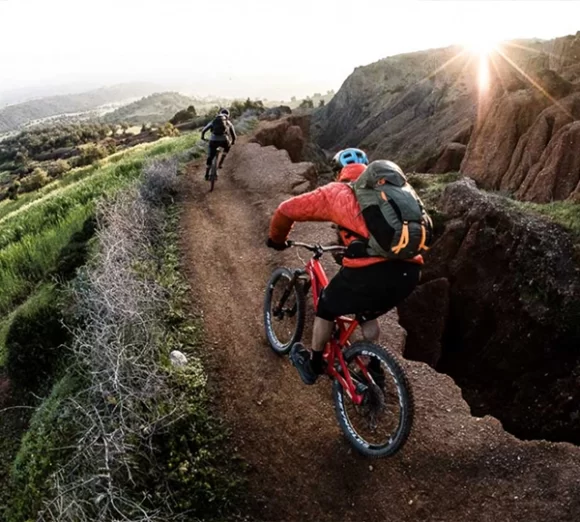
[453,468]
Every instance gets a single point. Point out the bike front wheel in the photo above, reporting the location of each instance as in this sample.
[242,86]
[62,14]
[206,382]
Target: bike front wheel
[380,425]
[284,310]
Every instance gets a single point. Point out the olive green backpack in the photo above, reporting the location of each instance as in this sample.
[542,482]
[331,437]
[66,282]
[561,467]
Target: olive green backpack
[399,225]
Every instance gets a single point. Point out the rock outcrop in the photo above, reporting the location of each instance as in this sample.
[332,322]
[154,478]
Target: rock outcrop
[512,335]
[272,171]
[292,134]
[449,159]
[495,139]
[527,146]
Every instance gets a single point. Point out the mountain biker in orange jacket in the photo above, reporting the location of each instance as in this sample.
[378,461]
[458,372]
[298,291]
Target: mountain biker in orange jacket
[365,286]
[224,138]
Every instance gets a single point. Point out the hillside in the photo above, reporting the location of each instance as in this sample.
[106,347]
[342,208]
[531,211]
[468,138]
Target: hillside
[16,116]
[156,108]
[426,111]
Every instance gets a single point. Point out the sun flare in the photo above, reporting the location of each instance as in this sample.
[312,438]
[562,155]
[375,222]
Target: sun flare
[480,44]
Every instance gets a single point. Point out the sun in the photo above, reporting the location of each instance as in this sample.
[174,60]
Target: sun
[480,44]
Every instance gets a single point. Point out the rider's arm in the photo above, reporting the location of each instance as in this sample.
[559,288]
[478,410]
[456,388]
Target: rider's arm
[312,206]
[205,129]
[232,132]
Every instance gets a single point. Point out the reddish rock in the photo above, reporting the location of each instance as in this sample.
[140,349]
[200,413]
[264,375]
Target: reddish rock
[290,134]
[557,173]
[534,142]
[450,159]
[463,135]
[490,149]
[424,316]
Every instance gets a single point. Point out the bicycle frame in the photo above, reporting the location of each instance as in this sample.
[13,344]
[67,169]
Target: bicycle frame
[345,327]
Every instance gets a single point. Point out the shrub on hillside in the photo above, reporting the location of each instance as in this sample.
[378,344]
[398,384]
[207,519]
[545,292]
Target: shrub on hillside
[36,180]
[34,342]
[58,168]
[167,130]
[13,190]
[185,115]
[239,107]
[90,153]
[75,254]
[47,441]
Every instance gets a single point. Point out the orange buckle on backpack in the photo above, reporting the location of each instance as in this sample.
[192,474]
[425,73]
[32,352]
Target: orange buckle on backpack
[404,241]
[422,245]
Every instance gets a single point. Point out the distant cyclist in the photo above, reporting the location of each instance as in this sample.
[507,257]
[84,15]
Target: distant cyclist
[223,135]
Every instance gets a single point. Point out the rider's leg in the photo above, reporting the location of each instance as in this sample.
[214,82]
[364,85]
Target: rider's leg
[371,330]
[226,147]
[310,364]
[320,336]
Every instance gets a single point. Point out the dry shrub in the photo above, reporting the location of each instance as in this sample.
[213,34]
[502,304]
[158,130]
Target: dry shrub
[123,405]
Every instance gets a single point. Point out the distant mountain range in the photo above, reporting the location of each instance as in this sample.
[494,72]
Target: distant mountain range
[14,117]
[156,108]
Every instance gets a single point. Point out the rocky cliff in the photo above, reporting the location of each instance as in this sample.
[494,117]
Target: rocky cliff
[498,310]
[427,111]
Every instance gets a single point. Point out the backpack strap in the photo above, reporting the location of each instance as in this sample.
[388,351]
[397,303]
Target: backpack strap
[404,239]
[423,243]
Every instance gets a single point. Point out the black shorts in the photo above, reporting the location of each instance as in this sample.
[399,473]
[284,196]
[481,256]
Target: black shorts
[213,146]
[368,292]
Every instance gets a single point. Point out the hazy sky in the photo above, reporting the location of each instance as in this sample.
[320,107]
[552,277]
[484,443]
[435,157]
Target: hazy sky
[246,47]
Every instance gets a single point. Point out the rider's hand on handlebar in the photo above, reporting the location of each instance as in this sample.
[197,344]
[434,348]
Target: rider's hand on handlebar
[277,246]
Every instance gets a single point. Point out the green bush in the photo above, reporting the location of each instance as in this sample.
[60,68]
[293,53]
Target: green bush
[36,180]
[185,115]
[59,168]
[167,130]
[46,444]
[90,154]
[13,190]
[75,254]
[34,341]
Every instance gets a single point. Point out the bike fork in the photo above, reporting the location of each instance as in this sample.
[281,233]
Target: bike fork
[297,275]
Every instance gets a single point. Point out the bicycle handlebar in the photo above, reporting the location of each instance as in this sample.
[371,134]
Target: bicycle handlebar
[317,247]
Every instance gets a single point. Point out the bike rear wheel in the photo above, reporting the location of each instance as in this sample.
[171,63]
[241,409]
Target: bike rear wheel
[284,311]
[213,172]
[380,426]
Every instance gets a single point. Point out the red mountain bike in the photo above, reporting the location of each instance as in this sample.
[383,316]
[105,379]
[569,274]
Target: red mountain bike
[372,396]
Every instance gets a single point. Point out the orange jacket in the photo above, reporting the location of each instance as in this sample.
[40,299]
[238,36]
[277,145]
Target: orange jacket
[351,172]
[334,202]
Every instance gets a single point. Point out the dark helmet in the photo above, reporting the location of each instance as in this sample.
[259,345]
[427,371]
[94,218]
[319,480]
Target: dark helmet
[347,157]
[225,112]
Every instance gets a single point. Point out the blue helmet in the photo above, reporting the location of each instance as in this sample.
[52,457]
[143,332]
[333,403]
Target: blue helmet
[347,157]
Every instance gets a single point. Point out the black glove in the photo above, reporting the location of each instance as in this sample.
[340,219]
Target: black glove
[277,246]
